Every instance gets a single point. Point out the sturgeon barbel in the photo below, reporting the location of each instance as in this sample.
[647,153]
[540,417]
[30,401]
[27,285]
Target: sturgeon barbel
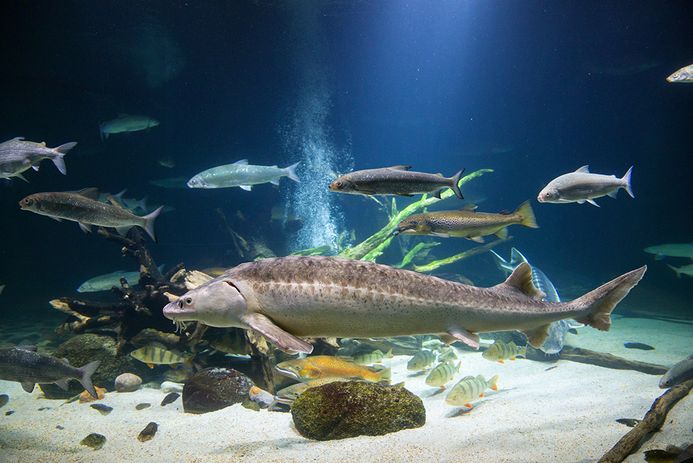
[242,174]
[395,180]
[291,297]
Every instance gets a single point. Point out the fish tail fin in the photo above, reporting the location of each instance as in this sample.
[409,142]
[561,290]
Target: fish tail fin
[291,172]
[676,270]
[60,152]
[149,222]
[493,383]
[88,370]
[526,213]
[626,181]
[456,184]
[597,305]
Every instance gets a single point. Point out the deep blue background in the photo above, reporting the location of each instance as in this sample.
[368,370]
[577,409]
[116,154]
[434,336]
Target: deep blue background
[433,84]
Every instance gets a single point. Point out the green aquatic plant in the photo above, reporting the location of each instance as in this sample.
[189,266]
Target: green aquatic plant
[420,250]
[463,255]
[374,246]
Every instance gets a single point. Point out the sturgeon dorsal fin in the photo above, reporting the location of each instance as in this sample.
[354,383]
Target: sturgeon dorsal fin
[537,336]
[584,169]
[521,279]
[400,167]
[91,193]
[242,162]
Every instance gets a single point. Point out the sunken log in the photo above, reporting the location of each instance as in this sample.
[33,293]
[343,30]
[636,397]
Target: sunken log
[602,359]
[652,422]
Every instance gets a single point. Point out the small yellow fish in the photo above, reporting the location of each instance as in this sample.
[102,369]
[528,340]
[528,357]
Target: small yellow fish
[290,393]
[442,374]
[370,358]
[500,351]
[447,354]
[422,360]
[327,366]
[158,354]
[470,389]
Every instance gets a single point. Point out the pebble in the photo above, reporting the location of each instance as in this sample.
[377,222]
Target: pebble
[142,406]
[170,398]
[59,427]
[148,432]
[170,386]
[9,412]
[127,382]
[94,441]
[102,408]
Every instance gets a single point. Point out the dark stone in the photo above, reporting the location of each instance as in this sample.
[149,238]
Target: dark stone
[212,389]
[94,440]
[85,348]
[102,408]
[148,432]
[348,409]
[142,406]
[170,398]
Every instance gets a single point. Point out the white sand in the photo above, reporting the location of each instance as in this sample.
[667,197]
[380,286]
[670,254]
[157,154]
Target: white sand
[566,414]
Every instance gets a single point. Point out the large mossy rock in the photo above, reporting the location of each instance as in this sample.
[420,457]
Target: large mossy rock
[348,409]
[212,389]
[85,348]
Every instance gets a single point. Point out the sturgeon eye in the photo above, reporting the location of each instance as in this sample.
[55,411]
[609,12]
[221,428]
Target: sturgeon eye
[188,300]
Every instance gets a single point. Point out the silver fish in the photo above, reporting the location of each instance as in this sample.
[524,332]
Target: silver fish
[683,270]
[683,75]
[661,251]
[242,174]
[288,297]
[18,155]
[682,371]
[26,366]
[107,281]
[395,180]
[126,123]
[84,208]
[583,186]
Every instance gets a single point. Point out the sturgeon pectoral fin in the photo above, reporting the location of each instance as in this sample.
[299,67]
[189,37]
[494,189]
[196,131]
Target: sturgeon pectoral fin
[278,336]
[85,228]
[591,201]
[246,187]
[27,386]
[455,334]
[58,219]
[537,336]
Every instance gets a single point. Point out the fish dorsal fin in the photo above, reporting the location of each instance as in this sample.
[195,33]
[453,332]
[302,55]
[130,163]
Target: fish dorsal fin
[242,162]
[584,169]
[91,193]
[521,279]
[516,256]
[400,167]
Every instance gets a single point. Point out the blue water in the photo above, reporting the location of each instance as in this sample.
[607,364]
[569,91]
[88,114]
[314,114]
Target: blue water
[529,89]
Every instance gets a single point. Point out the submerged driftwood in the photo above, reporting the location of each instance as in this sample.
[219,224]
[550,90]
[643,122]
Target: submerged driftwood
[652,422]
[602,359]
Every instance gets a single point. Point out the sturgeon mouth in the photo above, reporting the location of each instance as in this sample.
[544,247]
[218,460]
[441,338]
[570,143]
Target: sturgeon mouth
[174,311]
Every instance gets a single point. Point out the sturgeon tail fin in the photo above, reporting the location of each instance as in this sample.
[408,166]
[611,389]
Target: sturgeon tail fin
[626,181]
[88,370]
[456,184]
[597,305]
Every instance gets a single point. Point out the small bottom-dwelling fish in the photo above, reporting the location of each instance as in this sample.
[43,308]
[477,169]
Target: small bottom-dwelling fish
[26,366]
[442,374]
[157,354]
[500,351]
[470,389]
[680,372]
[421,361]
[583,186]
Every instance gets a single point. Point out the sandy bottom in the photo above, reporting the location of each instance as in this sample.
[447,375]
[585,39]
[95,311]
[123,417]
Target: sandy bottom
[565,414]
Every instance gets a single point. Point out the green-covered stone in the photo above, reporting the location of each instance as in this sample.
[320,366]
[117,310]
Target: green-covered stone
[348,409]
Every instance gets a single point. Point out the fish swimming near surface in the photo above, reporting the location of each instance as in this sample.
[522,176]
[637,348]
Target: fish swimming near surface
[583,186]
[467,224]
[683,270]
[26,366]
[126,123]
[19,155]
[84,208]
[682,76]
[243,175]
[157,354]
[470,389]
[327,366]
[108,281]
[661,251]
[288,297]
[557,330]
[421,361]
[395,180]
[442,374]
[500,351]
[679,373]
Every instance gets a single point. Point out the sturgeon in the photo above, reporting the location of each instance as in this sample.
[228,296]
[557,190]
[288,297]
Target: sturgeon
[287,298]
